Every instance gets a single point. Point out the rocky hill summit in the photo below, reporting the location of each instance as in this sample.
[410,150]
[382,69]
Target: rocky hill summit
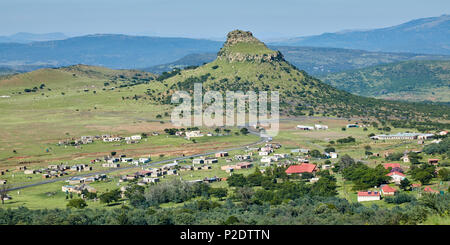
[242,46]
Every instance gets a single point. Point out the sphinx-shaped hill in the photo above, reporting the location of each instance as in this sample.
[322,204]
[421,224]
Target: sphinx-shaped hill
[244,63]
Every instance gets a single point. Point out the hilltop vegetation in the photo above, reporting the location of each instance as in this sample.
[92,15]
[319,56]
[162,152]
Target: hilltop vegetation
[409,80]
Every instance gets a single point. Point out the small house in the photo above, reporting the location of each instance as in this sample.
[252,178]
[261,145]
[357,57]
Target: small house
[198,161]
[29,171]
[333,155]
[430,190]
[302,168]
[387,190]
[396,177]
[434,162]
[211,160]
[150,180]
[364,196]
[222,154]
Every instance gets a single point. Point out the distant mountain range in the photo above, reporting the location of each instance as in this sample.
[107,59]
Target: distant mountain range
[25,37]
[315,61]
[113,51]
[426,35]
[158,54]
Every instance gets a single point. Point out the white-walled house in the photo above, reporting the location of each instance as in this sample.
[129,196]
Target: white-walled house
[266,159]
[333,155]
[304,127]
[318,127]
[396,177]
[192,134]
[136,137]
[364,196]
[144,160]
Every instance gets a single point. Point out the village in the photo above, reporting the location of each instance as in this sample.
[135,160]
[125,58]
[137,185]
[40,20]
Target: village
[300,162]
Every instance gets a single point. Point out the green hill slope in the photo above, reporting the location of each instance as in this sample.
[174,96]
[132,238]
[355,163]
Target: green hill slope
[244,63]
[73,77]
[409,80]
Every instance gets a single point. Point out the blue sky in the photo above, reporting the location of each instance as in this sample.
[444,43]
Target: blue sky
[267,19]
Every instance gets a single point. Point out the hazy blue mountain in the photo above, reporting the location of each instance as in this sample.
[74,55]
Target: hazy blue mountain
[113,51]
[315,61]
[188,60]
[158,54]
[426,35]
[25,37]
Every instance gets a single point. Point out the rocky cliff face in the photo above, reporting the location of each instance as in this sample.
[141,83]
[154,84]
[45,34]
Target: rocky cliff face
[238,36]
[242,46]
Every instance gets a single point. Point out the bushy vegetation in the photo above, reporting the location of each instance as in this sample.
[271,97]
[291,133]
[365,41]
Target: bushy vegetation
[442,147]
[303,209]
[396,79]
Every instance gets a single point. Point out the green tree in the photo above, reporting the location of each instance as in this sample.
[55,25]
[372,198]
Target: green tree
[237,180]
[405,184]
[218,192]
[77,203]
[244,131]
[109,197]
[444,174]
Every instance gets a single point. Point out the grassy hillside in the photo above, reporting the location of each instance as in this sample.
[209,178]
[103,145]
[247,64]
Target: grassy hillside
[246,64]
[410,80]
[73,77]
[186,61]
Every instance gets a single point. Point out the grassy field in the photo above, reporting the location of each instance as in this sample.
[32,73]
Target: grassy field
[37,121]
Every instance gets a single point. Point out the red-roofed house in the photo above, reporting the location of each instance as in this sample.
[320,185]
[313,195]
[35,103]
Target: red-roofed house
[302,168]
[391,165]
[429,190]
[364,196]
[433,161]
[396,177]
[388,190]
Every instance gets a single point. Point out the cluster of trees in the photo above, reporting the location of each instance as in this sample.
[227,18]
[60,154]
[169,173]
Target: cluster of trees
[176,191]
[349,139]
[422,126]
[394,156]
[442,147]
[400,198]
[423,173]
[34,89]
[362,176]
[172,131]
[303,209]
[166,75]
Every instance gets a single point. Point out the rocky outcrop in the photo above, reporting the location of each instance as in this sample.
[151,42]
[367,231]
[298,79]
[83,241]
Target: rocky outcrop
[238,36]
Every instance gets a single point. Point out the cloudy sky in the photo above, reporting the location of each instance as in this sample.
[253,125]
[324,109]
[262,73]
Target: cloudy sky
[267,19]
